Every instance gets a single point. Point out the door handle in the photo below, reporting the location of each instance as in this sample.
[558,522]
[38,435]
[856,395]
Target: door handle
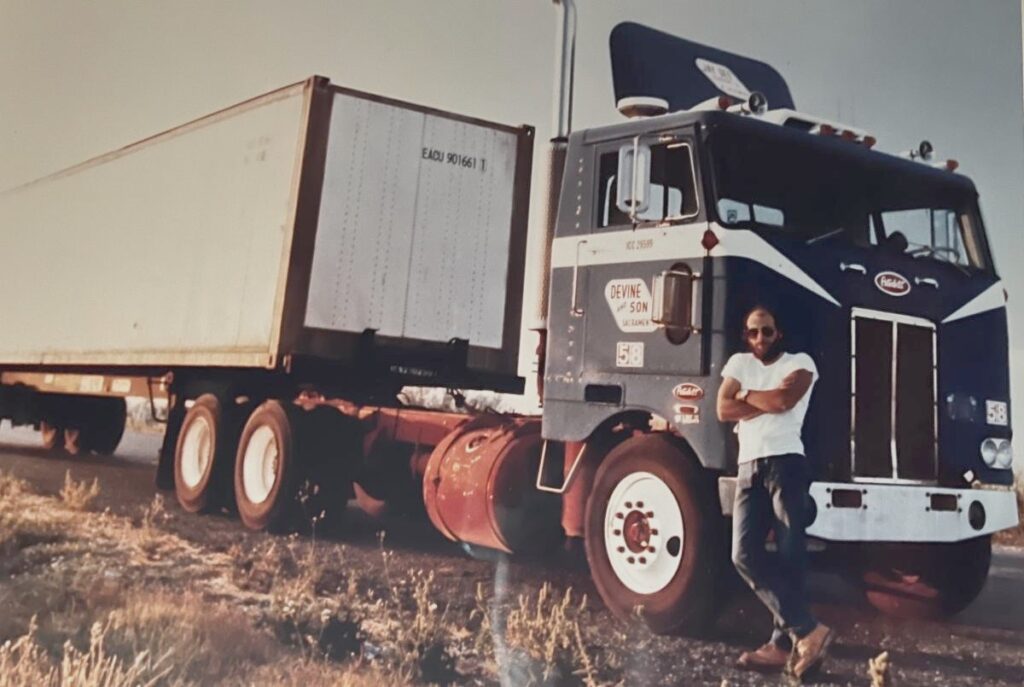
[852,267]
[934,283]
[574,307]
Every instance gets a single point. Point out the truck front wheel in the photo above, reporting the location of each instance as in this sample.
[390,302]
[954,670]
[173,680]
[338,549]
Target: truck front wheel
[925,580]
[204,454]
[653,535]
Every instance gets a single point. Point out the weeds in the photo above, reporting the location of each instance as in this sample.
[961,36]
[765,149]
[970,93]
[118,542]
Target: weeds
[541,642]
[79,495]
[25,663]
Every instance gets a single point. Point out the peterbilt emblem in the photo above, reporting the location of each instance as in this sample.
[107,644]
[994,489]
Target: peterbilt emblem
[688,392]
[892,284]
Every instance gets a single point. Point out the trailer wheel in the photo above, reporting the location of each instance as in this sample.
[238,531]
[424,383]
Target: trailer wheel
[106,427]
[925,580]
[204,454]
[653,535]
[52,436]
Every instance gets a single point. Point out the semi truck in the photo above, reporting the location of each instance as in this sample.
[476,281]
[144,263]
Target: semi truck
[279,270]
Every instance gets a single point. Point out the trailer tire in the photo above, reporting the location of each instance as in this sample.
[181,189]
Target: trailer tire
[106,426]
[653,535]
[51,436]
[204,455]
[291,471]
[925,581]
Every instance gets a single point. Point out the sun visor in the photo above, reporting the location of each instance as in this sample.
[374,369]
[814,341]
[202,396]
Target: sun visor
[654,64]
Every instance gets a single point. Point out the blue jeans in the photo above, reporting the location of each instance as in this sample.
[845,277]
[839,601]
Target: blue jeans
[771,492]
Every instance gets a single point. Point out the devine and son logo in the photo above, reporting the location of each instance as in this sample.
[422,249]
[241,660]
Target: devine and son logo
[892,283]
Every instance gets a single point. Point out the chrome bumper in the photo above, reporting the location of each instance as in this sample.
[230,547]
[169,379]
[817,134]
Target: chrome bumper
[898,512]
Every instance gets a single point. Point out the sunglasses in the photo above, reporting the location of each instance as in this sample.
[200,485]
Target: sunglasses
[766,332]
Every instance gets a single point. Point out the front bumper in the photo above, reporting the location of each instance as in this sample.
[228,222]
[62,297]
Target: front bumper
[899,512]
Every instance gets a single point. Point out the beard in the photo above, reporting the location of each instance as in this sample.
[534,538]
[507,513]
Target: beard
[770,354]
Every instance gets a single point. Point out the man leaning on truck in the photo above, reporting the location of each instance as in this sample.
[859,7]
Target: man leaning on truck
[767,392]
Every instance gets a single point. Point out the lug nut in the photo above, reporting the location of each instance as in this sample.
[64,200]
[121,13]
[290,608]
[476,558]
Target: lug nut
[621,549]
[620,516]
[642,560]
[650,549]
[631,560]
[617,532]
[649,514]
[654,533]
[629,504]
[639,504]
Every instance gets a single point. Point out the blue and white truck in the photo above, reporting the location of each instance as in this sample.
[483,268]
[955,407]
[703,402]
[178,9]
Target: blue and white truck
[331,246]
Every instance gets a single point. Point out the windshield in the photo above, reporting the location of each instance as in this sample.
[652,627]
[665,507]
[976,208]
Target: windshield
[811,193]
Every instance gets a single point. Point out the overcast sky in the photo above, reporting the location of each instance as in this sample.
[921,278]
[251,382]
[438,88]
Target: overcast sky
[81,78]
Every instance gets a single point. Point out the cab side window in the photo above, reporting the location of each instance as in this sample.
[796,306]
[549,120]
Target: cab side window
[673,193]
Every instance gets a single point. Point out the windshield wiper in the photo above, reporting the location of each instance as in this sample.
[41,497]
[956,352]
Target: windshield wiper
[822,237]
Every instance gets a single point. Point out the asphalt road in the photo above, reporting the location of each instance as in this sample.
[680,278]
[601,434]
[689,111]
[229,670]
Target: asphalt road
[984,645]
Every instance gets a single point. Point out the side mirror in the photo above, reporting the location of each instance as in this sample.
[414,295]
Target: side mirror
[633,189]
[674,302]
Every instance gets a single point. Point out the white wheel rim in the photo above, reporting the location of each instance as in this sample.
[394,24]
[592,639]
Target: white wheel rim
[259,464]
[643,533]
[196,451]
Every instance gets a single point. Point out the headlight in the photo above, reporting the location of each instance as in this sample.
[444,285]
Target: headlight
[1004,455]
[997,453]
[989,451]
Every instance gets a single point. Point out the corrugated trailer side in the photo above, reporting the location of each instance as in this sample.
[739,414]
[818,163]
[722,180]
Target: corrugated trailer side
[410,242]
[169,252]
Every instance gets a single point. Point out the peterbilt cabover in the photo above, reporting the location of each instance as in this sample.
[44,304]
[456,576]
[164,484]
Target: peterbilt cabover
[331,246]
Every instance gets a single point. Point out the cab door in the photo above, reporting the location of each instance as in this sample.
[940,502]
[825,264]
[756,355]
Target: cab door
[639,272]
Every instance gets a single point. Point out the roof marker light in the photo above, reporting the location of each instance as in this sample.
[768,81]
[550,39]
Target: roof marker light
[951,165]
[848,135]
[724,102]
[869,141]
[757,103]
[826,130]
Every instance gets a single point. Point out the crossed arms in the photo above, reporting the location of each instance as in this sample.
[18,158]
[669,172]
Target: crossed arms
[777,400]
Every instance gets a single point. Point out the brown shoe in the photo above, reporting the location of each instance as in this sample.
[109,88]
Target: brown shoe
[769,658]
[810,650]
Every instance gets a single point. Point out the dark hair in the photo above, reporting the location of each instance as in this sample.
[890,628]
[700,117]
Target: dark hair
[762,307]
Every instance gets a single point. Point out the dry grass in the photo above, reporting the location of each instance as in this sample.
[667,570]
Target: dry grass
[25,663]
[124,600]
[540,641]
[79,495]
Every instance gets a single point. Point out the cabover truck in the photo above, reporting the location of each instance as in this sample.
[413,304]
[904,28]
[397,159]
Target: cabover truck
[280,269]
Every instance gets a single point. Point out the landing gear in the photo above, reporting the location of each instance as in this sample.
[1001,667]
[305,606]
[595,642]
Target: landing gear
[653,535]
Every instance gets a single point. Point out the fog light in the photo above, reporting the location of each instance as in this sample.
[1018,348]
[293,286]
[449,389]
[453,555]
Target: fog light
[976,515]
[989,451]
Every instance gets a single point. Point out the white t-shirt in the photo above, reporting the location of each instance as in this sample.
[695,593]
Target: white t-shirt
[770,434]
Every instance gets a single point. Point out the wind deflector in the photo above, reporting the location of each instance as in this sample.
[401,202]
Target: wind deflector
[648,62]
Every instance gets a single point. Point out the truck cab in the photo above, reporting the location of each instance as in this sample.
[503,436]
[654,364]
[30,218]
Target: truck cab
[670,228]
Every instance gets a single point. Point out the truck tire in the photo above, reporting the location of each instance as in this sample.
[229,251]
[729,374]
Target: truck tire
[653,535]
[204,455]
[925,580]
[106,426]
[51,436]
[292,470]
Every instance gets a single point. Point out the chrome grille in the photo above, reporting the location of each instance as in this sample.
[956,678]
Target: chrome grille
[894,403]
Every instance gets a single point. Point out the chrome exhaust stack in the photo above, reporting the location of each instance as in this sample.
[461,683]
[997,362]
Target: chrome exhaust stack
[563,85]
